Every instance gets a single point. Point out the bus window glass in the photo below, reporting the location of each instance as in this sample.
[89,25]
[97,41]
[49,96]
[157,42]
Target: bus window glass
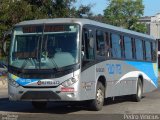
[148,50]
[154,51]
[107,48]
[56,47]
[139,49]
[116,47]
[89,44]
[100,43]
[128,47]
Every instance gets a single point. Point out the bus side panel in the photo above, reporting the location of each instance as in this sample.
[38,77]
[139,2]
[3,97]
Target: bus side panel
[147,86]
[121,78]
[149,73]
[88,84]
[102,69]
[117,84]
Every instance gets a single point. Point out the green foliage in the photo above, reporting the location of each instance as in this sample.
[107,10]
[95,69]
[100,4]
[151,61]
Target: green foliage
[126,14]
[123,13]
[14,11]
[99,18]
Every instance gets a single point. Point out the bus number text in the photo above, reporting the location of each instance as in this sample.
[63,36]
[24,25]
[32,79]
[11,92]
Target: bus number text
[114,69]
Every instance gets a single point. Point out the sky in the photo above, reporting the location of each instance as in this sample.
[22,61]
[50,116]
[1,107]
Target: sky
[152,7]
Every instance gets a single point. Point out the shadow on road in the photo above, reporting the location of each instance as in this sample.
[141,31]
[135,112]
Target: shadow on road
[55,107]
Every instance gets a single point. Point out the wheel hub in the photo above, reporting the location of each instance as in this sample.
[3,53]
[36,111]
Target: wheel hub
[100,96]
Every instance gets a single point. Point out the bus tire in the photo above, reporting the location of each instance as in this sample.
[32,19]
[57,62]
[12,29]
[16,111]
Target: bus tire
[138,95]
[98,102]
[39,104]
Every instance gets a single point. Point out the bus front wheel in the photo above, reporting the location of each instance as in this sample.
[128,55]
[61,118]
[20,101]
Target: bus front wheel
[98,102]
[39,104]
[138,95]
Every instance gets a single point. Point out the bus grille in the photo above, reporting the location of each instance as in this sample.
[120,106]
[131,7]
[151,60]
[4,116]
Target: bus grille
[40,95]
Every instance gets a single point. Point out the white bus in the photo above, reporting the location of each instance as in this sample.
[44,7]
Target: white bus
[69,59]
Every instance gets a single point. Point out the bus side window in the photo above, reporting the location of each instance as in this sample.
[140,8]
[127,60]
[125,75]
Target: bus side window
[88,46]
[148,51]
[139,49]
[100,45]
[107,48]
[116,46]
[128,47]
[133,48]
[154,51]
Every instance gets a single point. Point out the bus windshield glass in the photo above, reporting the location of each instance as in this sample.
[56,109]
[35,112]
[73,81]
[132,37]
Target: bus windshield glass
[45,46]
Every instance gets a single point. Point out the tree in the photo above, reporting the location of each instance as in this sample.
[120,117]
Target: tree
[11,12]
[99,18]
[126,14]
[14,11]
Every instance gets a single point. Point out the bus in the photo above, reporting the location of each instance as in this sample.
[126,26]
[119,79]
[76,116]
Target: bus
[77,59]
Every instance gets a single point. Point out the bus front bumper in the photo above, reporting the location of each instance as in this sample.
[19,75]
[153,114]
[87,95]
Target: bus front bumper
[59,93]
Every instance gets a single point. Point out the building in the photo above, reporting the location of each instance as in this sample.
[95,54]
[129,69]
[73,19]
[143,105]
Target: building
[153,25]
[147,21]
[153,28]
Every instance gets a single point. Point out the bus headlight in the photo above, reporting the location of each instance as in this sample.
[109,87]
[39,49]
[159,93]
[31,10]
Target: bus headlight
[70,82]
[13,83]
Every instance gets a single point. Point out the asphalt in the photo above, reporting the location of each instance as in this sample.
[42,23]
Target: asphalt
[121,108]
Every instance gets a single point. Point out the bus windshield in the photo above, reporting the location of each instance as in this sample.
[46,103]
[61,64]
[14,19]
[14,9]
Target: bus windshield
[45,47]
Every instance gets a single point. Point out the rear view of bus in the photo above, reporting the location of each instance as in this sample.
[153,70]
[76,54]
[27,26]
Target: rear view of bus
[44,62]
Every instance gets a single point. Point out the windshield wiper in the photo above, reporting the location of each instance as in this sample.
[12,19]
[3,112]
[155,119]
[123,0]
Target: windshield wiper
[24,64]
[55,64]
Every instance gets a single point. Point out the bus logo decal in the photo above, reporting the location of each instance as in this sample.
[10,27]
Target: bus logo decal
[114,69]
[48,82]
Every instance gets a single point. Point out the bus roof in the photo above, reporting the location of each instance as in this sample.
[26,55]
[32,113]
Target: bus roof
[83,21]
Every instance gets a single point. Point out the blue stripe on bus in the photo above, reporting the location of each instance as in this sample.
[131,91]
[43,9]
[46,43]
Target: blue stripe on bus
[150,69]
[22,81]
[25,82]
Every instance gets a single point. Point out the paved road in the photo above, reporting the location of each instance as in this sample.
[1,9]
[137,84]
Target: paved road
[116,109]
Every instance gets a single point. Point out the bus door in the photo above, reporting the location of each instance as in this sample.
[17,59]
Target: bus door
[88,76]
[88,47]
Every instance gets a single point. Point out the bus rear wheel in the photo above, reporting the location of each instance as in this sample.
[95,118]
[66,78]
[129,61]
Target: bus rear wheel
[138,95]
[98,102]
[39,104]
